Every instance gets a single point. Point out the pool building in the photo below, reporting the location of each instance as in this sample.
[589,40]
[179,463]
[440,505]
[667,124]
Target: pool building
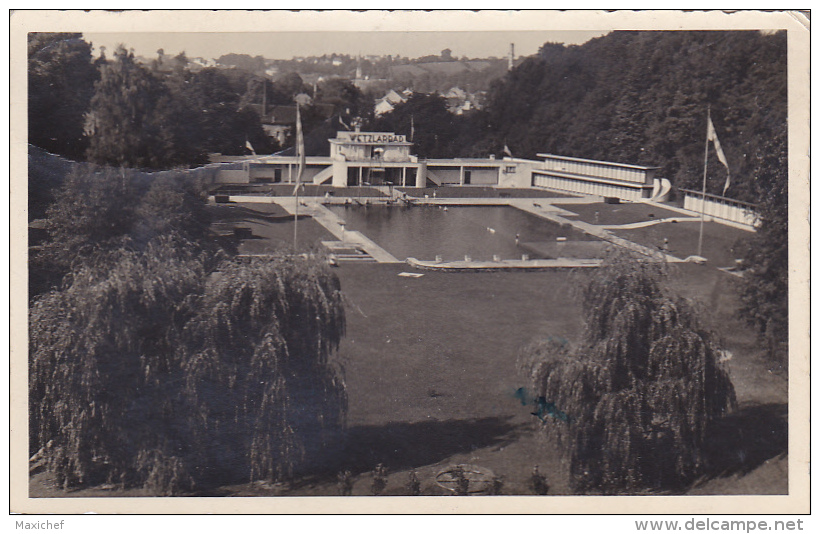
[384,158]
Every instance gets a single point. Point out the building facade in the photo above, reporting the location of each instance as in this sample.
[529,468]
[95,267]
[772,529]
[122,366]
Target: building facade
[385,158]
[592,177]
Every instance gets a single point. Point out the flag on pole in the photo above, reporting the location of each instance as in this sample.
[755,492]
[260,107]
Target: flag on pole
[712,136]
[412,128]
[300,150]
[249,146]
[507,150]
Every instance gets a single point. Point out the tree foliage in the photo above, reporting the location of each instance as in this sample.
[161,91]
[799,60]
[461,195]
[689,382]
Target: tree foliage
[134,121]
[98,210]
[104,370]
[642,388]
[93,213]
[160,118]
[433,126]
[765,284]
[345,98]
[172,204]
[61,80]
[168,369]
[280,320]
[157,362]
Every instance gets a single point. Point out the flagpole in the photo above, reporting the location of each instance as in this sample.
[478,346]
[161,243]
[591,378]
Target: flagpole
[703,194]
[296,218]
[300,153]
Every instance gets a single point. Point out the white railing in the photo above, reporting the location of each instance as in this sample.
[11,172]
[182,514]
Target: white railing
[720,207]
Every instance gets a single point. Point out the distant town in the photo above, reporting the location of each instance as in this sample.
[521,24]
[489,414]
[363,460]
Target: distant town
[387,81]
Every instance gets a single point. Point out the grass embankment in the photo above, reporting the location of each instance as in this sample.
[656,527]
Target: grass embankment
[618,213]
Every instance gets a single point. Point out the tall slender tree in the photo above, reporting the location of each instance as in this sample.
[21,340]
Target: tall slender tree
[134,120]
[61,79]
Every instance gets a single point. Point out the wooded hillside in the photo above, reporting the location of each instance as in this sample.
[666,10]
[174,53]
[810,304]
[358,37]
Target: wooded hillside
[641,97]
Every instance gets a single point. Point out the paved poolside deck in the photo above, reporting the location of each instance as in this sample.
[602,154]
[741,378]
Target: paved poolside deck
[544,208]
[335,225]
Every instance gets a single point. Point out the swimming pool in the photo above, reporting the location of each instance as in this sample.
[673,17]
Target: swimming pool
[424,232]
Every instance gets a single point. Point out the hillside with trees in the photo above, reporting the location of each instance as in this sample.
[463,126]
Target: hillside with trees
[641,98]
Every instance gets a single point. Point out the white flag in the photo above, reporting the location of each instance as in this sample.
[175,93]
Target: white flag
[507,150]
[300,150]
[249,146]
[712,136]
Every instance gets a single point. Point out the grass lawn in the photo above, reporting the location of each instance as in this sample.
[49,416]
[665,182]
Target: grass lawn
[271,226]
[431,365]
[618,213]
[719,240]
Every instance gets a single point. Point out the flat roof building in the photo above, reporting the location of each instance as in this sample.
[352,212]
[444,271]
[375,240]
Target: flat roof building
[384,158]
[593,177]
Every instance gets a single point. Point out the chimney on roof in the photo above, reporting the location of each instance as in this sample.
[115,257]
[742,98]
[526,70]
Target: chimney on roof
[511,59]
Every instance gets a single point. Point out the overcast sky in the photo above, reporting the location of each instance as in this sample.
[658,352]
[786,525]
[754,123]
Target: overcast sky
[285,45]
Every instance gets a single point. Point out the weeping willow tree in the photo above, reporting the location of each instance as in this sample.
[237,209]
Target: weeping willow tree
[103,368]
[260,375]
[159,369]
[642,388]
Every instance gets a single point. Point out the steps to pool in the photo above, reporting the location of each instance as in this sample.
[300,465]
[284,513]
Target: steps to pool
[347,252]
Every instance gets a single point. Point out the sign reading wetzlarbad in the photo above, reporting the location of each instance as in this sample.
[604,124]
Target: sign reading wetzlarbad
[371,137]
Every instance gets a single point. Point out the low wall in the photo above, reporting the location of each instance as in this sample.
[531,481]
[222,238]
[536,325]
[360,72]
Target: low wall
[721,208]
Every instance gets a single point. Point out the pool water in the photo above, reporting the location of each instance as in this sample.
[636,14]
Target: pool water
[424,232]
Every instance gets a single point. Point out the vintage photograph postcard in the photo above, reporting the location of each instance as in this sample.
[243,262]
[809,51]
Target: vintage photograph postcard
[409,262]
